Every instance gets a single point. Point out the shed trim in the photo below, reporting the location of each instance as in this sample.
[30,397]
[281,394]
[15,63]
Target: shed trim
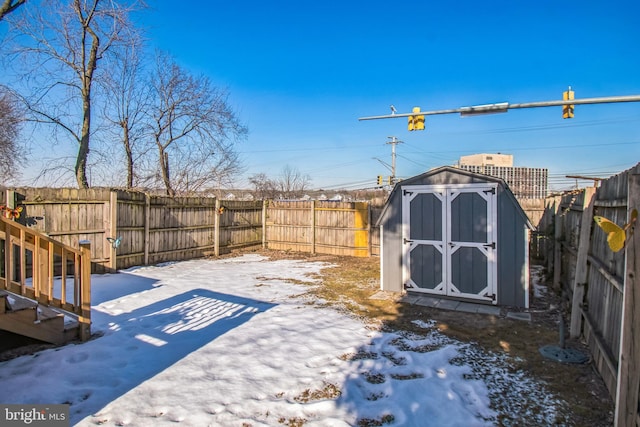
[408,181]
[446,245]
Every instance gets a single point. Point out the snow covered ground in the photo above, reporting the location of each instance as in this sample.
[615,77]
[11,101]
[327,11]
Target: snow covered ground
[239,342]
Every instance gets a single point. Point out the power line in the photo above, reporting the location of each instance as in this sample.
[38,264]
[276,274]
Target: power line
[549,126]
[537,147]
[305,149]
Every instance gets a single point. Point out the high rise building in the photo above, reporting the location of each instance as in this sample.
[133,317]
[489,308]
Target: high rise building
[498,159]
[525,183]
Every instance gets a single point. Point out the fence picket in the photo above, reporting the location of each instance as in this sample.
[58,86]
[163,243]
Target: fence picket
[613,341]
[629,370]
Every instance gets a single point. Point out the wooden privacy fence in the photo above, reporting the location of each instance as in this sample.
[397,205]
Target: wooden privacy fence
[602,289]
[328,227]
[132,228]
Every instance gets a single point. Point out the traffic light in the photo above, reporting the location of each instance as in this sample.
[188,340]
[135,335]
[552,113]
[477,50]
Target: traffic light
[416,122]
[379,179]
[567,110]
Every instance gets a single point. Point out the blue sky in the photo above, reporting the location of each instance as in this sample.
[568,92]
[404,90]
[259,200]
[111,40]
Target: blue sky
[300,74]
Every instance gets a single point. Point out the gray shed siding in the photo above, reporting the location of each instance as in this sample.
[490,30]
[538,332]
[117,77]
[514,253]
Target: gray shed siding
[512,228]
[391,248]
[513,252]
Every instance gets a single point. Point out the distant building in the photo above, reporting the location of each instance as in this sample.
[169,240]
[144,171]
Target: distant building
[505,160]
[525,183]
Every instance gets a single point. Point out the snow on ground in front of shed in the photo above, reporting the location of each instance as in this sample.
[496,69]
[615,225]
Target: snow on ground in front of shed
[235,342]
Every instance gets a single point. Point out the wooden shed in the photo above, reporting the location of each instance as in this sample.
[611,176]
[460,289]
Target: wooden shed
[456,234]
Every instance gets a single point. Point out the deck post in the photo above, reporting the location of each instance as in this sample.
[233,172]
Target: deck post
[85,290]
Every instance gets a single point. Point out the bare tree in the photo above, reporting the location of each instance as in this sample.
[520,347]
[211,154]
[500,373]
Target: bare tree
[63,43]
[194,129]
[9,6]
[263,187]
[292,183]
[127,97]
[10,120]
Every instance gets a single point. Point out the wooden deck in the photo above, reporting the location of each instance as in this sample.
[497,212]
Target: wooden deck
[45,286]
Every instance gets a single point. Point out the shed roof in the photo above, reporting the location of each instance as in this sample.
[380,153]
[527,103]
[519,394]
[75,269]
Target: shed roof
[418,178]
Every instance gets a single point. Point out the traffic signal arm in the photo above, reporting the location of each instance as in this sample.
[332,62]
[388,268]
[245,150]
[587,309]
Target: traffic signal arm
[504,106]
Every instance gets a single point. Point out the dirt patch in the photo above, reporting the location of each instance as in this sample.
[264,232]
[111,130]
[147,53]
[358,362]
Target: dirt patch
[328,392]
[350,283]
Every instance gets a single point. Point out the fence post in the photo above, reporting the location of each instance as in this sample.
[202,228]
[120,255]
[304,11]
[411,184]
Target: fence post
[369,217]
[216,229]
[113,229]
[264,224]
[558,230]
[84,319]
[147,220]
[313,227]
[582,269]
[628,381]
[361,226]
[551,211]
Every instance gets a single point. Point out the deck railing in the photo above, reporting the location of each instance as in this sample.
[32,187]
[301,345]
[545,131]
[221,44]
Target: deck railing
[51,273]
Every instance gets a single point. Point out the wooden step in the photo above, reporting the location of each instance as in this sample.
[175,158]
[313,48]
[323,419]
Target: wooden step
[45,313]
[71,332]
[26,317]
[21,322]
[16,303]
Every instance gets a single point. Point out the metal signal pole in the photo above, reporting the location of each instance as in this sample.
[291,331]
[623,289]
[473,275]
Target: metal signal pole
[503,107]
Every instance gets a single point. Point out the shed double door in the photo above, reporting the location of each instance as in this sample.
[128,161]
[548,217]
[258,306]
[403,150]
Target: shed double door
[449,234]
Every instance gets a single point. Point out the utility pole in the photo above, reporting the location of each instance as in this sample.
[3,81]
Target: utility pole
[394,141]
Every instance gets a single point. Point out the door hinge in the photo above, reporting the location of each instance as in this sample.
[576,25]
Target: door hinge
[407,192]
[492,191]
[491,245]
[405,241]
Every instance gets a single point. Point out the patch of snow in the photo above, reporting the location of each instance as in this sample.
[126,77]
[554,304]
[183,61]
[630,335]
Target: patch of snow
[537,281]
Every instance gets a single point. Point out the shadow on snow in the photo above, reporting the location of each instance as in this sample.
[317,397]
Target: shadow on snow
[154,337]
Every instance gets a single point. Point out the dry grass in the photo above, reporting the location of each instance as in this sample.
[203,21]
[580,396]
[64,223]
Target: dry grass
[328,392]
